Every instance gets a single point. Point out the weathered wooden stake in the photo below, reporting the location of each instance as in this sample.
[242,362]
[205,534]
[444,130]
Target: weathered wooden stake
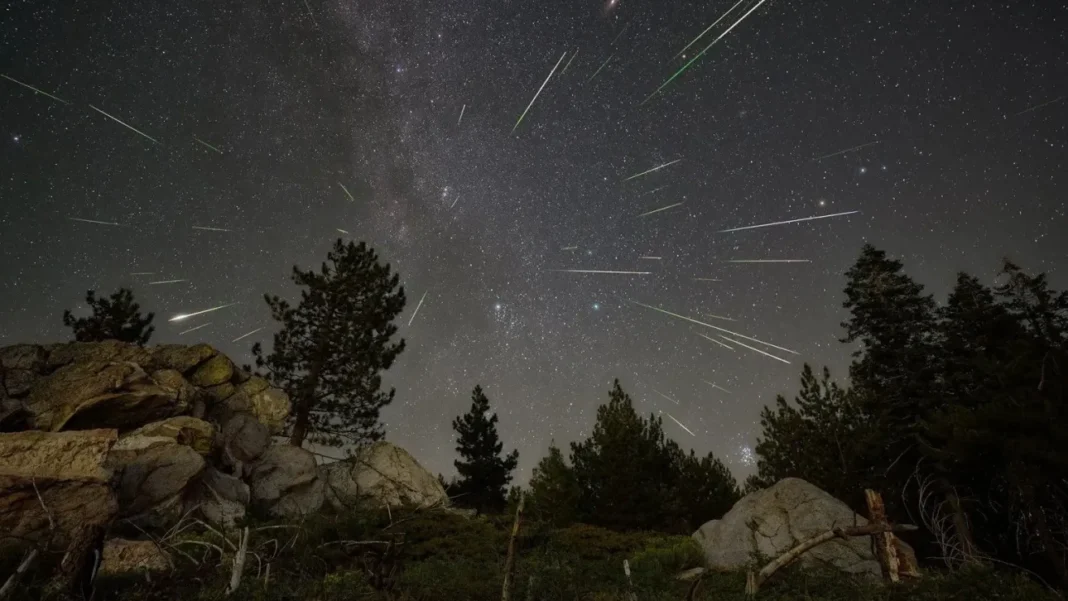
[509,563]
[885,549]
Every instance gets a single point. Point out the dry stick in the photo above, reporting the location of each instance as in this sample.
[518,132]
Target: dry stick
[239,563]
[509,563]
[885,551]
[630,585]
[13,579]
[753,581]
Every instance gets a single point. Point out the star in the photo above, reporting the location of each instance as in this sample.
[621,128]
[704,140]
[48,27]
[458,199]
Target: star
[596,306]
[16,137]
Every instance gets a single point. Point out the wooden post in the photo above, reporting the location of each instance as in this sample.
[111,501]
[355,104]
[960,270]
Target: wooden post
[509,563]
[885,549]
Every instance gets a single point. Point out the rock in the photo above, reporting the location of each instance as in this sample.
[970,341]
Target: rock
[257,397]
[154,475]
[184,430]
[385,473]
[220,392]
[284,482]
[122,556]
[221,498]
[63,471]
[691,574]
[29,357]
[182,358]
[243,439]
[214,371]
[107,351]
[770,522]
[17,382]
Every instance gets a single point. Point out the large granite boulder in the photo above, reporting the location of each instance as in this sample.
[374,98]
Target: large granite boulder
[258,398]
[384,474]
[151,479]
[285,482]
[194,433]
[770,522]
[58,478]
[242,440]
[220,497]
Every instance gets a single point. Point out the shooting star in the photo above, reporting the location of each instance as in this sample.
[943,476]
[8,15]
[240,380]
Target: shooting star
[96,222]
[660,209]
[28,86]
[657,168]
[709,28]
[243,336]
[120,122]
[755,349]
[601,271]
[654,190]
[753,227]
[595,73]
[709,338]
[455,201]
[615,39]
[855,148]
[666,397]
[652,258]
[570,60]
[708,325]
[718,317]
[342,231]
[569,248]
[310,14]
[347,193]
[142,273]
[461,119]
[166,282]
[416,312]
[203,143]
[185,316]
[717,387]
[769,261]
[701,53]
[680,424]
[203,325]
[538,93]
[1038,106]
[705,280]
[210,229]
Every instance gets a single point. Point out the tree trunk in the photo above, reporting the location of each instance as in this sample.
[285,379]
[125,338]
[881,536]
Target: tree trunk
[303,405]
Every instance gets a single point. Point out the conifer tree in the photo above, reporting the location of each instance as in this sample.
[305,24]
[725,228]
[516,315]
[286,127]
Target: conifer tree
[484,473]
[554,492]
[706,490]
[117,317]
[333,346]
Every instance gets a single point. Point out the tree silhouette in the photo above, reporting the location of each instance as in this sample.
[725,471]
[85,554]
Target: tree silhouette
[117,317]
[484,474]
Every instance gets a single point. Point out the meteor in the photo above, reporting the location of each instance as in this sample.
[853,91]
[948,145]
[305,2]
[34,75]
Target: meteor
[769,261]
[709,28]
[210,229]
[1038,106]
[708,325]
[460,120]
[310,14]
[700,54]
[657,168]
[601,271]
[654,190]
[538,93]
[615,39]
[455,201]
[718,317]
[202,142]
[203,325]
[753,227]
[120,122]
[666,397]
[601,67]
[569,248]
[188,315]
[717,387]
[416,312]
[28,86]
[142,273]
[246,335]
[96,222]
[834,154]
[342,231]
[347,193]
[709,338]
[166,282]
[754,349]
[660,209]
[651,258]
[680,424]
[705,280]
[571,60]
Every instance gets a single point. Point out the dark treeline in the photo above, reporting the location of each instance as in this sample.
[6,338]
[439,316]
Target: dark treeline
[955,411]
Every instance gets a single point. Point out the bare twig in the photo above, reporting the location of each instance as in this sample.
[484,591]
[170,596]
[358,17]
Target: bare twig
[13,579]
[239,563]
[51,522]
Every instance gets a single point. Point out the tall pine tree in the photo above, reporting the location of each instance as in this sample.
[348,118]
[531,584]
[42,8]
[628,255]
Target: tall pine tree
[484,473]
[554,492]
[333,346]
[117,317]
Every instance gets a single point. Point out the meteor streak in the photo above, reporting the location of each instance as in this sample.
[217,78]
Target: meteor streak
[666,397]
[753,227]
[718,317]
[660,209]
[210,229]
[655,190]
[142,273]
[601,271]
[202,142]
[246,335]
[705,280]
[416,312]
[708,325]
[717,387]
[120,122]
[834,154]
[657,168]
[28,86]
[1038,106]
[460,120]
[680,424]
[570,60]
[96,222]
[455,201]
[188,315]
[342,231]
[709,28]
[601,67]
[700,54]
[651,258]
[538,93]
[347,193]
[769,261]
[310,14]
[166,282]
[615,39]
[569,248]
[755,349]
[203,325]
[709,338]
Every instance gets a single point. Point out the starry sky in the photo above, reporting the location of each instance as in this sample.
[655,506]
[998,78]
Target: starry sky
[264,128]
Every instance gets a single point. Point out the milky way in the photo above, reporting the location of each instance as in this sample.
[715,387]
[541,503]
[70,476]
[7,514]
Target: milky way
[257,132]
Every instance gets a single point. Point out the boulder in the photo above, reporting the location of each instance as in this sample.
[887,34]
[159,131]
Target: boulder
[194,433]
[107,351]
[770,522]
[284,482]
[28,357]
[384,473]
[55,477]
[242,440]
[221,498]
[182,358]
[214,371]
[257,397]
[121,556]
[153,478]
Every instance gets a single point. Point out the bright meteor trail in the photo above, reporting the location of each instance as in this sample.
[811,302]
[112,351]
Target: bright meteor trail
[416,312]
[709,28]
[28,86]
[203,143]
[660,209]
[753,227]
[203,325]
[666,397]
[246,335]
[538,93]
[569,61]
[680,424]
[834,154]
[347,193]
[754,349]
[769,261]
[188,315]
[120,122]
[717,387]
[601,67]
[711,339]
[708,325]
[95,221]
[601,271]
[657,168]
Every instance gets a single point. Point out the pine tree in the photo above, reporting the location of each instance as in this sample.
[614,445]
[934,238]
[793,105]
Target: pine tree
[333,346]
[117,317]
[554,492]
[484,474]
[706,489]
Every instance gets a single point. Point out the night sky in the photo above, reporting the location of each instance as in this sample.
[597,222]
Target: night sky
[347,116]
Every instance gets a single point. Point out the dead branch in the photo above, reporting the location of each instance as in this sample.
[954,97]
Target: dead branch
[353,543]
[51,522]
[13,579]
[239,563]
[509,563]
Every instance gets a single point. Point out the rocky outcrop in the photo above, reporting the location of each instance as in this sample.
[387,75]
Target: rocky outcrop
[769,522]
[285,482]
[385,474]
